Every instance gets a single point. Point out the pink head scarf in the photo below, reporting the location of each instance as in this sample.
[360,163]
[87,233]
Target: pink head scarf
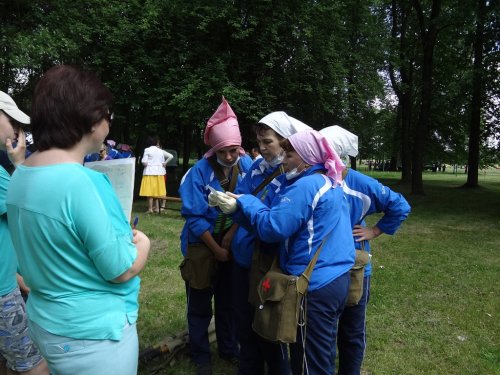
[314,148]
[222,130]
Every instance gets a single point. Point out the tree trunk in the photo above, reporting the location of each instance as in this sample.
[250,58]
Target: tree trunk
[404,89]
[352,162]
[476,101]
[428,37]
[406,110]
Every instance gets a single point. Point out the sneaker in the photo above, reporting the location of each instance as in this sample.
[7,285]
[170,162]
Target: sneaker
[204,369]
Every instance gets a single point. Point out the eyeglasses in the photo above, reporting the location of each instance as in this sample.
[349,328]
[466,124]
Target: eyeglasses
[109,116]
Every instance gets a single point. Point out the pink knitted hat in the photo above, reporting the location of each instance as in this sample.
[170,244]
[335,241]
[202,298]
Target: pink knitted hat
[314,148]
[222,130]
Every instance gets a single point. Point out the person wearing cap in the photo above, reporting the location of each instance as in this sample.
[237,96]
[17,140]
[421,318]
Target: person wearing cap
[75,247]
[18,352]
[263,180]
[206,225]
[366,196]
[308,209]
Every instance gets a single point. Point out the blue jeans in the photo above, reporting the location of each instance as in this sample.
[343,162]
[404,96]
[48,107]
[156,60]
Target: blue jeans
[316,353]
[351,339]
[66,355]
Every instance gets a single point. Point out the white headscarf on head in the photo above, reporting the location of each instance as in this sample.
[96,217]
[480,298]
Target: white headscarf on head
[344,142]
[283,124]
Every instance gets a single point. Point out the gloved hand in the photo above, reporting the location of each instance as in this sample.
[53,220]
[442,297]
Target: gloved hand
[213,200]
[227,204]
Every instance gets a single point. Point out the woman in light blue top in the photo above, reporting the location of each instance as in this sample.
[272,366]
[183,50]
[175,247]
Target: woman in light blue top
[74,245]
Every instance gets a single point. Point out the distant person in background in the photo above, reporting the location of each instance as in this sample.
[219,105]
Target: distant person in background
[103,153]
[366,196]
[255,153]
[153,185]
[18,353]
[94,156]
[125,150]
[76,250]
[112,151]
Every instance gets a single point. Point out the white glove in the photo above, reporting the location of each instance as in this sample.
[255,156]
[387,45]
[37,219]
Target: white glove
[213,201]
[227,204]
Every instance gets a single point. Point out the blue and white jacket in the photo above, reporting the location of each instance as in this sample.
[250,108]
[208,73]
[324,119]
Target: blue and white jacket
[301,215]
[194,194]
[367,196]
[244,239]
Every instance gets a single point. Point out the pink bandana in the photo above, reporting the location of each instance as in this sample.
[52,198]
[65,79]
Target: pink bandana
[222,130]
[314,148]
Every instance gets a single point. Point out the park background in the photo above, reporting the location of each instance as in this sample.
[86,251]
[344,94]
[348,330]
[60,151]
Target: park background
[434,290]
[416,80]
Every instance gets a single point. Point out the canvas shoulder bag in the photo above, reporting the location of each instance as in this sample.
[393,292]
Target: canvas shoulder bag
[277,314]
[357,274]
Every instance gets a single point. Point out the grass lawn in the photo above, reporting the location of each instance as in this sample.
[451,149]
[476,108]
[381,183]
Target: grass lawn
[435,303]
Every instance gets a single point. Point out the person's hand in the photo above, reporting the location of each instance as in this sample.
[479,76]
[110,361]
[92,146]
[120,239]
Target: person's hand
[22,285]
[228,237]
[365,233]
[137,236]
[17,154]
[227,204]
[221,254]
[213,200]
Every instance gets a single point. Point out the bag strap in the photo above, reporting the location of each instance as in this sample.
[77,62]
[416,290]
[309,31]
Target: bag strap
[278,171]
[303,281]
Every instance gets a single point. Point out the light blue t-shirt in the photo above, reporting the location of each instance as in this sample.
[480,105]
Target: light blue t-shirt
[72,239]
[8,262]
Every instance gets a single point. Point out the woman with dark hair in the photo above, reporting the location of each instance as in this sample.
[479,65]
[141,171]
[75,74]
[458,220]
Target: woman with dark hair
[75,247]
[154,161]
[308,210]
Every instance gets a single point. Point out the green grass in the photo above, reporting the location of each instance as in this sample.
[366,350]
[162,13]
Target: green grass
[435,286]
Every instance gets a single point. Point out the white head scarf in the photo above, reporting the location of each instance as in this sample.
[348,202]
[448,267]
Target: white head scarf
[283,124]
[344,142]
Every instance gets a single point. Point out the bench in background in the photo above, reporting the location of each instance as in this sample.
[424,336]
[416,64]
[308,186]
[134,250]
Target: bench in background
[167,199]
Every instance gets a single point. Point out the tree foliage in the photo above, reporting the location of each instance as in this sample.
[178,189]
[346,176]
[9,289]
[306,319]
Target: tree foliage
[356,63]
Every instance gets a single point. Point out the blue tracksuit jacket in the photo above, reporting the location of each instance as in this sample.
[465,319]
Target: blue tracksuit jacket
[367,196]
[194,194]
[244,239]
[301,214]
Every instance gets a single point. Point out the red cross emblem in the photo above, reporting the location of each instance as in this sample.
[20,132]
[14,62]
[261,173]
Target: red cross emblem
[266,285]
